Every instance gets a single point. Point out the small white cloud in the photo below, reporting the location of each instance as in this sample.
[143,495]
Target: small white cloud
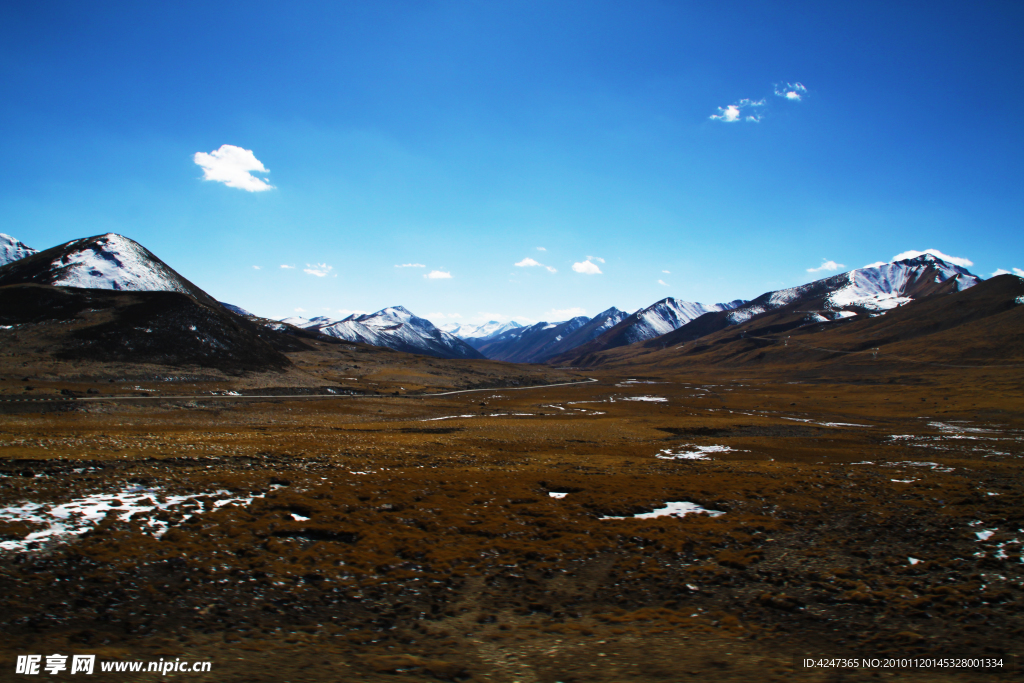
[595,258]
[666,272]
[541,249]
[586,267]
[729,114]
[734,112]
[318,269]
[1016,271]
[286,267]
[438,275]
[791,91]
[826,265]
[410,265]
[300,310]
[256,268]
[566,313]
[955,260]
[233,166]
[528,262]
[663,283]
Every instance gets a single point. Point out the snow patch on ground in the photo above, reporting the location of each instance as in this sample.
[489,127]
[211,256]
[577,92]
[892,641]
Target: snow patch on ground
[676,509]
[65,520]
[691,452]
[654,399]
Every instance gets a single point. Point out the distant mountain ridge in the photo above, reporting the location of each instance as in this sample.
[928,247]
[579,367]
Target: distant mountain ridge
[115,262]
[395,328]
[653,321]
[862,292]
[537,343]
[487,329]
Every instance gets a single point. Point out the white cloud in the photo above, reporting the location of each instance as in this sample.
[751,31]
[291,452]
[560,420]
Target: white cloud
[528,262]
[410,265]
[441,316]
[257,268]
[233,166]
[318,269]
[1016,271]
[586,267]
[826,265]
[791,91]
[662,282]
[300,310]
[566,313]
[595,258]
[286,267]
[541,249]
[734,112]
[666,272]
[438,275]
[955,260]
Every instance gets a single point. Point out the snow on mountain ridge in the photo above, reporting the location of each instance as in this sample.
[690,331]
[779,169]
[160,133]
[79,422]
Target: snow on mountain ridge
[881,287]
[113,261]
[394,327]
[12,249]
[670,314]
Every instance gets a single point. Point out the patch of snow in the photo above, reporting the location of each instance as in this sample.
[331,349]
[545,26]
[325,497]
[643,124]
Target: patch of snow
[677,509]
[555,494]
[985,535]
[913,560]
[654,399]
[78,516]
[697,452]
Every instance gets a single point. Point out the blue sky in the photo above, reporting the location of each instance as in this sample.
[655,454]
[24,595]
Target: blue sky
[466,137]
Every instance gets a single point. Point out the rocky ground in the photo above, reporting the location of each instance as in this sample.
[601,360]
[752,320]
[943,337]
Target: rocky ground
[418,537]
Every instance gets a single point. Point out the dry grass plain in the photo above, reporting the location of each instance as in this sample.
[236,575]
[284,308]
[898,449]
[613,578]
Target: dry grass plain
[413,537]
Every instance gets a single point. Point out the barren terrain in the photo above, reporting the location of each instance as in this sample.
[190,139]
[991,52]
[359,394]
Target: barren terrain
[416,536]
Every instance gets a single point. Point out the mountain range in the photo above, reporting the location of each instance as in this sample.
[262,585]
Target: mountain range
[393,327]
[115,262]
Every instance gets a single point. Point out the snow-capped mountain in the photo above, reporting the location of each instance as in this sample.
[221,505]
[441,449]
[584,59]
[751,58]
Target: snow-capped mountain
[13,250]
[868,291]
[108,261]
[537,343]
[488,329]
[393,327]
[653,321]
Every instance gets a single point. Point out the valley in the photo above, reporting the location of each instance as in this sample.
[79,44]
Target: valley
[363,537]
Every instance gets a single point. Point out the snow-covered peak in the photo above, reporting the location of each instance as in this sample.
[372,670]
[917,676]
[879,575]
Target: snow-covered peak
[487,329]
[113,261]
[671,314]
[884,286]
[13,250]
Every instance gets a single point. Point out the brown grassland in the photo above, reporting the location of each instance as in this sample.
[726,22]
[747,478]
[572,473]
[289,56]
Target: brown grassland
[409,536]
